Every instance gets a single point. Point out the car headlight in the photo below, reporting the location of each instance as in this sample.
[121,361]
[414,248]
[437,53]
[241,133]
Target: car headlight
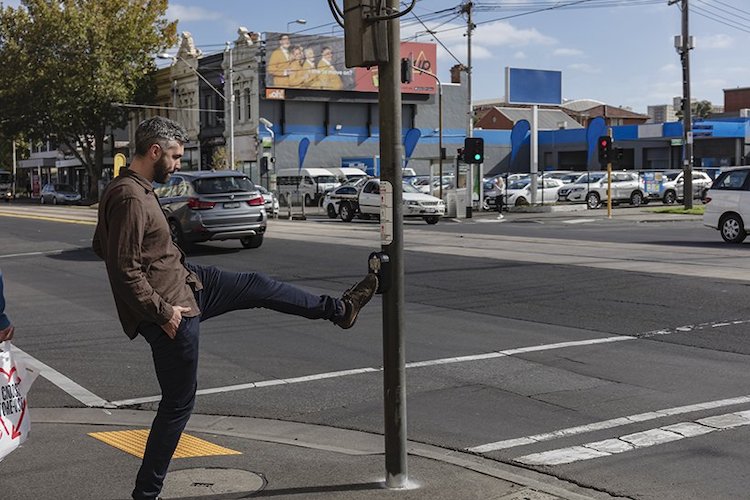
[412,203]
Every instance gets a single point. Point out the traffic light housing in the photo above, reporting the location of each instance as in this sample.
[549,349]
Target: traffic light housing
[604,147]
[263,165]
[407,69]
[474,150]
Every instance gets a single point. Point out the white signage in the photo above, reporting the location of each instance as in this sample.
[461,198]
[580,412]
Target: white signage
[386,213]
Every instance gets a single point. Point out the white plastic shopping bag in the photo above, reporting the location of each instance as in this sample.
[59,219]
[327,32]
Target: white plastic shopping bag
[15,380]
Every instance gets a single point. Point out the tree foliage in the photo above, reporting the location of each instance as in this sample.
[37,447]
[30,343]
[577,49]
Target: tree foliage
[65,62]
[700,109]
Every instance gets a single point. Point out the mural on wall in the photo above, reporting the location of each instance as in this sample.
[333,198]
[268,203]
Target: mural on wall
[315,62]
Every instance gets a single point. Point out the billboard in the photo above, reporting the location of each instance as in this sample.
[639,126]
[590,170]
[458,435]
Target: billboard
[315,62]
[533,86]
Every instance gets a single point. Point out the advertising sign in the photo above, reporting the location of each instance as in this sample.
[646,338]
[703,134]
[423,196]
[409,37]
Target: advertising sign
[533,86]
[315,62]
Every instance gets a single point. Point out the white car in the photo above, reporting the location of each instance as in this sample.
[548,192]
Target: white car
[519,192]
[415,204]
[348,191]
[672,187]
[728,204]
[591,188]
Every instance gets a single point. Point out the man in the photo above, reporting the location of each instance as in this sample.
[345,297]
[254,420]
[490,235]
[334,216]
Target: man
[6,328]
[328,76]
[161,297]
[279,63]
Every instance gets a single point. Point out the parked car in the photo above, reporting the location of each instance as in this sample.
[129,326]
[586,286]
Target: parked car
[672,187]
[591,188]
[415,204]
[728,204]
[270,201]
[213,205]
[349,191]
[59,194]
[518,192]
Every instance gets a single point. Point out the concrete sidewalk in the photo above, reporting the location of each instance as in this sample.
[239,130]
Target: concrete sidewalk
[260,458]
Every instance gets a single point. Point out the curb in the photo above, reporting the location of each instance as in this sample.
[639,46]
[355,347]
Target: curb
[319,437]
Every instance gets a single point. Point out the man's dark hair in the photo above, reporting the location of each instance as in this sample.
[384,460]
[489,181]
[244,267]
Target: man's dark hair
[158,130]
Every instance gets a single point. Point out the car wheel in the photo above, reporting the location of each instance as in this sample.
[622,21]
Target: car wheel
[346,212]
[432,219]
[41,200]
[331,210]
[485,204]
[176,232]
[593,200]
[54,200]
[670,197]
[636,198]
[521,202]
[252,241]
[308,201]
[703,194]
[732,228]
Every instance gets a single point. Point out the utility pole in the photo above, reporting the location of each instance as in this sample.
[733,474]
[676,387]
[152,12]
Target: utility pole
[392,244]
[466,8]
[684,44]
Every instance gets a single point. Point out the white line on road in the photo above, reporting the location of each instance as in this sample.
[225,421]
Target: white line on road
[644,439]
[80,393]
[29,254]
[578,221]
[608,424]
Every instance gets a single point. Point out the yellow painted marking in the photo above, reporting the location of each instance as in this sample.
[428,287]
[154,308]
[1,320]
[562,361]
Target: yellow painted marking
[134,442]
[52,219]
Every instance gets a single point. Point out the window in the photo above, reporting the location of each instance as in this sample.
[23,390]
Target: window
[248,104]
[214,185]
[238,106]
[734,179]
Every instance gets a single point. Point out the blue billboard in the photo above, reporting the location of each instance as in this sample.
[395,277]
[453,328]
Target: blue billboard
[533,86]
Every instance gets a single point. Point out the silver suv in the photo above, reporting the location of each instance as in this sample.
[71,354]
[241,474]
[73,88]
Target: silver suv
[672,188]
[213,205]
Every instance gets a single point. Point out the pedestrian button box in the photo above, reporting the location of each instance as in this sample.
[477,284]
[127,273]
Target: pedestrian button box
[379,264]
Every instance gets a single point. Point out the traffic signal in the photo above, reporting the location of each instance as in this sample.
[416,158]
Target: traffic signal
[604,146]
[474,150]
[263,165]
[407,69]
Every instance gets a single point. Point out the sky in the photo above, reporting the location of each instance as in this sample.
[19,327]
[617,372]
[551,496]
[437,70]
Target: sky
[620,52]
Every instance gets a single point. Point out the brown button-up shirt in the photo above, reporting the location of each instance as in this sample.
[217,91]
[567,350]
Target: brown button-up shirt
[146,269]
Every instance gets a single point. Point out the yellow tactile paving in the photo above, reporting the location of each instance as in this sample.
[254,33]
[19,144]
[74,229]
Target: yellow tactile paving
[134,442]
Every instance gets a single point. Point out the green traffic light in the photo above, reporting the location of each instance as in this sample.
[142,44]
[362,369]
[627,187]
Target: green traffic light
[477,156]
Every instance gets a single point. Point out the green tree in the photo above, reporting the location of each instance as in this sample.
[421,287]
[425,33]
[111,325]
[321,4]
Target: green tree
[698,109]
[65,63]
[220,159]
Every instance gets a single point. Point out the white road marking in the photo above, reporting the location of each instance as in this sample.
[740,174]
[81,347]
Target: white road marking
[29,254]
[608,424]
[645,439]
[80,393]
[578,221]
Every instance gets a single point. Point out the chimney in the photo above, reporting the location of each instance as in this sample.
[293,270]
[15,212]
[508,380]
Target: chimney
[456,71]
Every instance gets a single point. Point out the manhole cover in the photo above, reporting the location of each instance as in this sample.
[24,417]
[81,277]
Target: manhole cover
[206,482]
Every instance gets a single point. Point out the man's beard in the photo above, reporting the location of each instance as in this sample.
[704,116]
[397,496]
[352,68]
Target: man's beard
[161,170]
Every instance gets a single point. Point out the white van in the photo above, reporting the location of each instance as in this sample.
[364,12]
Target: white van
[311,183]
[348,174]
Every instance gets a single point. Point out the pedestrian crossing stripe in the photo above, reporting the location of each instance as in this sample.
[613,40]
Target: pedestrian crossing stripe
[134,443]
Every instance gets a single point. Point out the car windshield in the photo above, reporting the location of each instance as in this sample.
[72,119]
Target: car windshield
[64,188]
[408,188]
[519,184]
[229,184]
[671,175]
[583,179]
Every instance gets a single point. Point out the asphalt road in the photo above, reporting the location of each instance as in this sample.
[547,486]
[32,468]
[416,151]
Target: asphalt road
[569,348]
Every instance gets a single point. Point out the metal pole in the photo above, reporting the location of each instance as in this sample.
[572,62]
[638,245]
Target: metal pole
[687,192]
[470,126]
[391,221]
[609,182]
[15,180]
[231,108]
[440,124]
[534,152]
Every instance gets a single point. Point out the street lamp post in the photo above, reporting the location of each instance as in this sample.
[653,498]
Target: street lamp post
[219,93]
[440,125]
[296,21]
[272,168]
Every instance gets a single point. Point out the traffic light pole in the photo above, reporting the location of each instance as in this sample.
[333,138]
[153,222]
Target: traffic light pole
[392,244]
[687,177]
[609,179]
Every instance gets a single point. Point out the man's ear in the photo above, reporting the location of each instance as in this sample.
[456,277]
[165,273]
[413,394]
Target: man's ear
[154,151]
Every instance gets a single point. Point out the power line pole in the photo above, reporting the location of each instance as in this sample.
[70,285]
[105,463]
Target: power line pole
[466,8]
[684,45]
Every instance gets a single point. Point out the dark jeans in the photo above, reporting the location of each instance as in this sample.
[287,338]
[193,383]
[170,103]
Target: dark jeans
[176,360]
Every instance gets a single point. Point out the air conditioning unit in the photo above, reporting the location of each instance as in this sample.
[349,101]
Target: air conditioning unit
[745,113]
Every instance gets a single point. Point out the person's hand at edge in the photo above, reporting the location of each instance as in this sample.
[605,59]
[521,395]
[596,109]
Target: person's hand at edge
[7,333]
[170,327]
